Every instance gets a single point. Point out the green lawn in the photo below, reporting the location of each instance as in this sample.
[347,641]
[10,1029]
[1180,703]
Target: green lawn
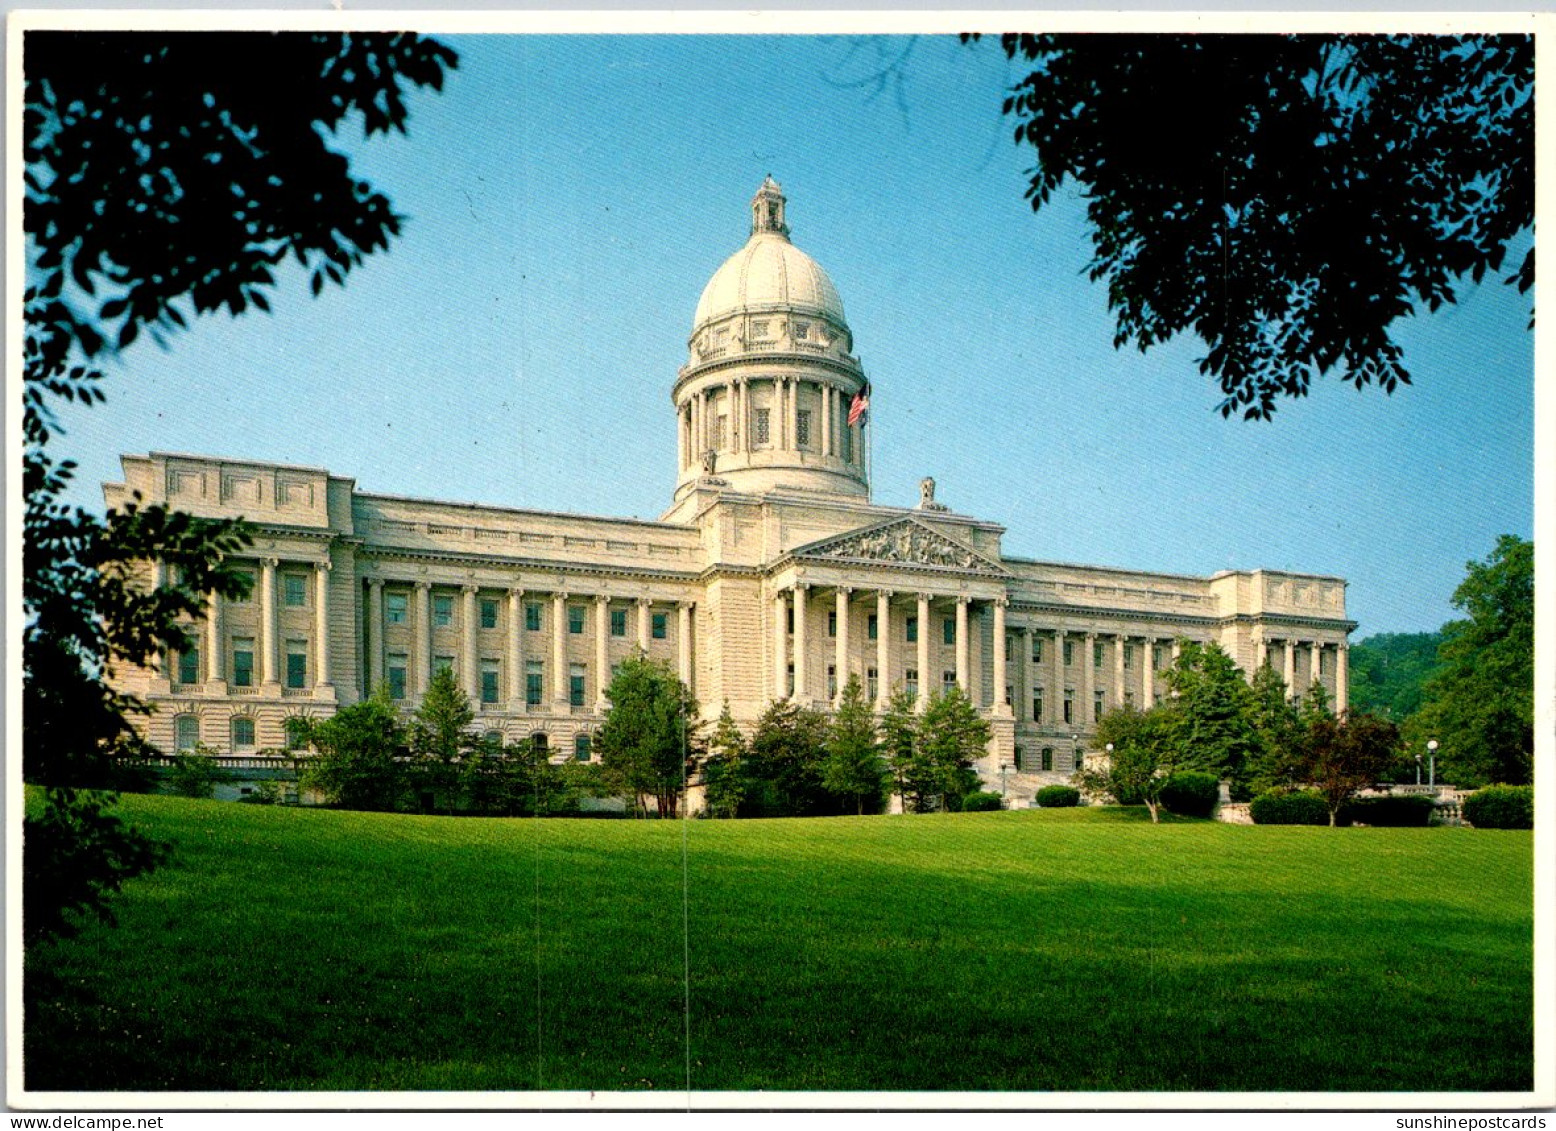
[1030,951]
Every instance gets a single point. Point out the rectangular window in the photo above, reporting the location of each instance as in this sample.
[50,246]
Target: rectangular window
[442,609]
[534,682]
[1156,657]
[790,610]
[618,622]
[791,681]
[488,613]
[1098,705]
[1037,649]
[186,732]
[189,666]
[243,661]
[398,663]
[575,619]
[582,744]
[763,426]
[1010,694]
[1069,653]
[242,734]
[296,664]
[947,681]
[247,576]
[872,627]
[395,607]
[1010,648]
[910,629]
[1069,706]
[721,433]
[948,628]
[294,590]
[575,684]
[1037,707]
[910,681]
[661,623]
[442,663]
[831,681]
[832,622]
[1324,662]
[1129,656]
[532,616]
[872,683]
[1129,698]
[1048,757]
[1096,653]
[802,428]
[489,681]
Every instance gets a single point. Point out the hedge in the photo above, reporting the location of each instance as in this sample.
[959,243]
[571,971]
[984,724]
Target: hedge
[1392,811]
[980,802]
[1501,807]
[1058,797]
[1191,793]
[1288,807]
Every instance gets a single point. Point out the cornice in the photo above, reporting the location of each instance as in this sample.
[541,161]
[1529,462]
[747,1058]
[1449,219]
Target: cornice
[532,564]
[690,373]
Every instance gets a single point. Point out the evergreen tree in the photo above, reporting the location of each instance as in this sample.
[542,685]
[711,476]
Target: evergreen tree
[439,734]
[784,764]
[854,767]
[650,734]
[899,746]
[355,758]
[951,736]
[723,771]
[1278,730]
[1209,714]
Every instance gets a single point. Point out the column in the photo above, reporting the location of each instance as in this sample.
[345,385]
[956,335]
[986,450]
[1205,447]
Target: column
[1119,643]
[470,661]
[423,636]
[794,422]
[1263,650]
[826,421]
[923,651]
[1342,677]
[158,660]
[559,651]
[375,633]
[1054,707]
[780,645]
[801,607]
[643,614]
[602,663]
[1088,672]
[961,647]
[1000,706]
[1291,667]
[882,648]
[841,656]
[683,643]
[1315,669]
[213,636]
[1148,673]
[516,650]
[780,418]
[269,646]
[680,436]
[321,625]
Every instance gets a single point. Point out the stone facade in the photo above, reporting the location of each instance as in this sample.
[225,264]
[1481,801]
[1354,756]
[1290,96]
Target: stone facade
[771,574]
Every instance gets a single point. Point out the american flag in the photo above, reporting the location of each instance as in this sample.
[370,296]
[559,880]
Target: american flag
[859,405]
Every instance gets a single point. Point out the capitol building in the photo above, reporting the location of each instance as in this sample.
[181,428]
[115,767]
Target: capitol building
[771,574]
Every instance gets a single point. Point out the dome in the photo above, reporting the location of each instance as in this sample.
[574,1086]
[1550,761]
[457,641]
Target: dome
[769,273]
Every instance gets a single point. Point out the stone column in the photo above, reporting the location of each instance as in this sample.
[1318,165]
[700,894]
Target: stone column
[321,625]
[1263,650]
[470,660]
[1119,643]
[158,663]
[780,645]
[882,648]
[794,428]
[780,419]
[1055,697]
[1315,668]
[375,632]
[1342,677]
[801,607]
[1291,666]
[683,643]
[1148,674]
[602,617]
[1001,707]
[826,420]
[213,637]
[840,658]
[643,614]
[269,646]
[423,636]
[559,698]
[516,650]
[1088,676]
[923,651]
[961,648]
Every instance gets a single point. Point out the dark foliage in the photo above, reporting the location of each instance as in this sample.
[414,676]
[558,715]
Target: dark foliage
[1501,807]
[1191,794]
[1285,198]
[1390,670]
[1392,811]
[785,764]
[1058,797]
[981,802]
[1289,807]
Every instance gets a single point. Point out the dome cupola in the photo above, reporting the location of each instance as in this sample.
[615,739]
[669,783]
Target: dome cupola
[763,401]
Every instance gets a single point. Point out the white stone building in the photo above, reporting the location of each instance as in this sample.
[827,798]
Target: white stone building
[771,574]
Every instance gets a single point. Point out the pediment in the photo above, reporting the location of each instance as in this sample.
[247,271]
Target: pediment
[901,541]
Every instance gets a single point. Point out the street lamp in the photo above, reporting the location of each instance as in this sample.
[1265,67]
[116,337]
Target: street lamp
[1431,748]
[1003,767]
[1418,769]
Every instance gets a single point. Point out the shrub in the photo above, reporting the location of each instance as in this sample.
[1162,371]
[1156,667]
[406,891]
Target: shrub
[1058,797]
[1392,811]
[1191,793]
[196,773]
[980,802]
[1289,807]
[1501,807]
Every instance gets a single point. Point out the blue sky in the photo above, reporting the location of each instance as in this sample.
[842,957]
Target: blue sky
[568,197]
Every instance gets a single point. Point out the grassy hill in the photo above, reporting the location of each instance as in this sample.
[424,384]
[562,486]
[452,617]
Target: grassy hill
[1032,951]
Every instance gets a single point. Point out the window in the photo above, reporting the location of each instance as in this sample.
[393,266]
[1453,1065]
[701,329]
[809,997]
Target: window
[575,619]
[1324,661]
[489,681]
[790,610]
[872,683]
[721,433]
[581,748]
[1069,653]
[442,609]
[531,616]
[442,663]
[488,613]
[1069,706]
[1010,648]
[1129,698]
[291,734]
[1010,694]
[1079,758]
[910,628]
[1048,758]
[872,627]
[1156,657]
[189,665]
[1129,656]
[1037,706]
[394,607]
[831,681]
[575,684]
[1096,653]
[247,577]
[910,681]
[294,590]
[1018,758]
[296,663]
[947,681]
[534,682]
[242,734]
[763,426]
[801,331]
[661,625]
[243,661]
[539,743]
[618,622]
[1037,649]
[832,622]
[791,681]
[186,732]
[948,630]
[1098,705]
[802,428]
[398,663]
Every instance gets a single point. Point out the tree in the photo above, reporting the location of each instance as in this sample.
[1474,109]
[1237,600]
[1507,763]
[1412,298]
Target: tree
[355,761]
[1279,733]
[196,772]
[784,765]
[439,735]
[1208,714]
[723,771]
[853,766]
[650,733]
[1347,755]
[1480,705]
[1142,758]
[164,174]
[1389,672]
[899,747]
[951,736]
[1286,198]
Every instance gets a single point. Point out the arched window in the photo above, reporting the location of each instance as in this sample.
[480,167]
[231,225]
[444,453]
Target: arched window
[581,748]
[186,732]
[242,733]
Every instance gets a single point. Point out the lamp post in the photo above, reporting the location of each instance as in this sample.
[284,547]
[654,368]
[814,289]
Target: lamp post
[1418,769]
[1003,767]
[1431,749]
